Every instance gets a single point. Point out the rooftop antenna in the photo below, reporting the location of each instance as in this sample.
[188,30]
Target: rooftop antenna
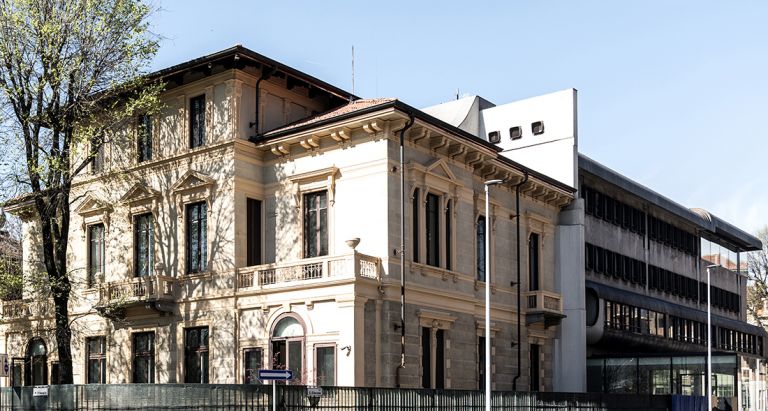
[353,69]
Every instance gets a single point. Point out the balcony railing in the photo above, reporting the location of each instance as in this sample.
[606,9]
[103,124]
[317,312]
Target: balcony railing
[14,310]
[310,269]
[149,288]
[544,301]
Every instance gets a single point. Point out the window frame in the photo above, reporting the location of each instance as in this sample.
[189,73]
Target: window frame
[149,355]
[534,262]
[100,358]
[201,231]
[150,246]
[204,371]
[197,123]
[254,378]
[478,244]
[254,247]
[91,280]
[320,234]
[144,136]
[333,349]
[97,162]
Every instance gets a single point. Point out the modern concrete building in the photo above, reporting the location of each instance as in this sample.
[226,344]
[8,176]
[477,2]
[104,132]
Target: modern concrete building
[263,219]
[646,276]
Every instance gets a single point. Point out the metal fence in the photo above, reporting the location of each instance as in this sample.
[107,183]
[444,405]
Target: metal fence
[216,397]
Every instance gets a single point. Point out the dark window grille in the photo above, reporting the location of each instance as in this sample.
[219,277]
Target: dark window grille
[197,121]
[197,237]
[316,224]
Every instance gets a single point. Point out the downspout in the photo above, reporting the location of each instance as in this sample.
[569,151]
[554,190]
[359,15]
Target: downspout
[266,73]
[519,330]
[402,250]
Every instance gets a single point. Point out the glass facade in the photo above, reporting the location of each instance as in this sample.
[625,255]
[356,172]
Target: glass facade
[684,375]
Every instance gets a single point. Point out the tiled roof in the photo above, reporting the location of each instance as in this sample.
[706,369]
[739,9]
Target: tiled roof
[345,109]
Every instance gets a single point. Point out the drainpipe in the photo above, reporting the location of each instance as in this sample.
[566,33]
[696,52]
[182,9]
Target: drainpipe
[266,73]
[519,331]
[401,366]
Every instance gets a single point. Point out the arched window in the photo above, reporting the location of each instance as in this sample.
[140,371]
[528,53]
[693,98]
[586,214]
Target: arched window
[288,346]
[36,363]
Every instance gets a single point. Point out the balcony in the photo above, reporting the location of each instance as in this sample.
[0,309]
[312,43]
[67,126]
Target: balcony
[543,307]
[309,271]
[154,292]
[16,310]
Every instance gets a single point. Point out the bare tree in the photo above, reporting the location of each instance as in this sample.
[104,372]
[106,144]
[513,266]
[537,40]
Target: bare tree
[70,78]
[757,289]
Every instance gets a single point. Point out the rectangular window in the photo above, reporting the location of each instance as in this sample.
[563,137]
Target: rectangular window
[426,357]
[326,365]
[533,262]
[197,121]
[144,138]
[97,151]
[144,243]
[95,252]
[481,363]
[252,363]
[253,230]
[448,233]
[480,247]
[17,372]
[97,360]
[144,358]
[433,230]
[315,224]
[535,364]
[415,224]
[197,237]
[55,373]
[440,359]
[196,355]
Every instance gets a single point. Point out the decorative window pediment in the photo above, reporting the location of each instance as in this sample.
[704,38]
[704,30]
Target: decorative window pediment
[140,199]
[194,186]
[316,180]
[193,180]
[91,206]
[440,169]
[139,193]
[436,319]
[94,210]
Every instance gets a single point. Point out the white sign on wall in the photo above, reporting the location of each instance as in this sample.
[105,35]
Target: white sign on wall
[40,391]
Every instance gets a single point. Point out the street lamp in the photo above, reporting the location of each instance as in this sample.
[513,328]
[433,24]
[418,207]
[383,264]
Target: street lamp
[709,335]
[488,292]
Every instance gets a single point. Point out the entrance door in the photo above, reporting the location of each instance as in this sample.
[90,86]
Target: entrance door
[36,363]
[288,347]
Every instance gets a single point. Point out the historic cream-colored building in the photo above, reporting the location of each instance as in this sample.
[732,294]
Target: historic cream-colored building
[255,222]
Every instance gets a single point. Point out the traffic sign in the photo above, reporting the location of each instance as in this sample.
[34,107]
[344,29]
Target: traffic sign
[275,375]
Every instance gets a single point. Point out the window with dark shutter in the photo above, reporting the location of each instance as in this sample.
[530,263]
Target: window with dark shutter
[144,138]
[197,237]
[197,121]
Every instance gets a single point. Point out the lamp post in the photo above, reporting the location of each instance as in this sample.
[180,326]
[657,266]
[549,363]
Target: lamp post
[488,292]
[709,335]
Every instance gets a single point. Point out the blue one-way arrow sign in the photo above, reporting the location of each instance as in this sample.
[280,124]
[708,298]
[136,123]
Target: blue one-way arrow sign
[275,375]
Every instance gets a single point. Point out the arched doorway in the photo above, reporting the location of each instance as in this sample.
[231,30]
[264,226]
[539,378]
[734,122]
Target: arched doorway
[36,364]
[288,346]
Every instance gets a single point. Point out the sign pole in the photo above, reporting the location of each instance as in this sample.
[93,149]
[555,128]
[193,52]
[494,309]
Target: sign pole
[274,395]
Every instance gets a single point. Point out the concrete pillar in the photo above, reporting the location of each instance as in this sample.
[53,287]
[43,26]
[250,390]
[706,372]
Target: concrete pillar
[570,346]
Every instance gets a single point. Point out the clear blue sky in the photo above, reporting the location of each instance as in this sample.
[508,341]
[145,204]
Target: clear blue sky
[671,94]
